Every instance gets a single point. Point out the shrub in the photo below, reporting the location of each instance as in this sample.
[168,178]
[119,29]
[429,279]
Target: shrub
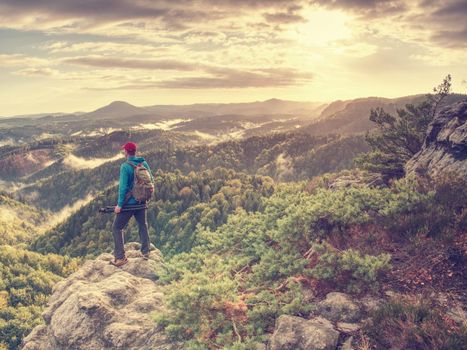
[428,207]
[349,269]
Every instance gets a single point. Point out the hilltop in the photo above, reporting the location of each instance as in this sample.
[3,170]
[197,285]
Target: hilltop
[115,110]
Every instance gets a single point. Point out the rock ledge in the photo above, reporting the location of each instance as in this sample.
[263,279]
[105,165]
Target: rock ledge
[104,307]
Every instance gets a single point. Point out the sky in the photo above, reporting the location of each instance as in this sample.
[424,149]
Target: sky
[79,55]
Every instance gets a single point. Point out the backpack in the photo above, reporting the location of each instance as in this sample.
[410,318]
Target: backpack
[143,187]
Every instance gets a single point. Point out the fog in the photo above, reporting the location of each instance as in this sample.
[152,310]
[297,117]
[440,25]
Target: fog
[80,163]
[65,212]
[284,167]
[11,186]
[163,125]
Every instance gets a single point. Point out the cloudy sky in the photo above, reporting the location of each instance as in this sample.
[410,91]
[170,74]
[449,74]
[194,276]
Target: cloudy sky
[78,55]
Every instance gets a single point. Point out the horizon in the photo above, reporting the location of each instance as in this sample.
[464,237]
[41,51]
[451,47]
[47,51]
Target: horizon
[59,113]
[55,55]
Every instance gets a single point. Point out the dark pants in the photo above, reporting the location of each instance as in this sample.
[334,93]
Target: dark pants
[121,220]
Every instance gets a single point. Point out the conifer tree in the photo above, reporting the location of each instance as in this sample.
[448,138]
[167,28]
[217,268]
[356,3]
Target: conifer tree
[397,139]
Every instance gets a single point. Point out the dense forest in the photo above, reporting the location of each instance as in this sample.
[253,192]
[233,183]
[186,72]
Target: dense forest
[183,202]
[282,156]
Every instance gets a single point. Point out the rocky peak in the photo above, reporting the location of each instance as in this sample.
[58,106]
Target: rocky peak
[445,146]
[104,307]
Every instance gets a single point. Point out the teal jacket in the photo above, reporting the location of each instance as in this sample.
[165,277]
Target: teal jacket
[127,177]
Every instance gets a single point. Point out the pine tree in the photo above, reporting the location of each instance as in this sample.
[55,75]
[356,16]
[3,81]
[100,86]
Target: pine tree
[397,139]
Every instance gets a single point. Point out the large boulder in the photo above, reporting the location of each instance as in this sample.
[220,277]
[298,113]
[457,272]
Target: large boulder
[339,307]
[445,146]
[105,307]
[296,333]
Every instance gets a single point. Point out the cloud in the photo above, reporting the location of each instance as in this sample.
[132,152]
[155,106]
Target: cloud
[454,8]
[284,167]
[213,77]
[61,47]
[102,9]
[366,8]
[44,72]
[110,62]
[285,17]
[451,38]
[449,24]
[231,78]
[74,15]
[313,46]
[19,60]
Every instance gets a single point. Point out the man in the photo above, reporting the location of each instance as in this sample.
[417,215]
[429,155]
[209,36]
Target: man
[125,197]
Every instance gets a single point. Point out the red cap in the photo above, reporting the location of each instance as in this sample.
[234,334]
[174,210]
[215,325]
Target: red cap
[130,146]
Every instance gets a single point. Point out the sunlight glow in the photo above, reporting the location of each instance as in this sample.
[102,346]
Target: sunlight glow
[322,27]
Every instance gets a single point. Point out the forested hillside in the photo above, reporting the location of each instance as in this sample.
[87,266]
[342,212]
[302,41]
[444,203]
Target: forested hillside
[283,156]
[19,222]
[182,202]
[26,281]
[36,160]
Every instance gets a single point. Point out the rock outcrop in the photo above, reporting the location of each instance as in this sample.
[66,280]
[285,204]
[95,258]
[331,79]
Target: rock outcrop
[339,307]
[445,146]
[336,320]
[104,307]
[300,334]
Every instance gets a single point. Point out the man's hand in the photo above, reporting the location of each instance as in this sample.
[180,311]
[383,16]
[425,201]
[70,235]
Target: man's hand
[117,209]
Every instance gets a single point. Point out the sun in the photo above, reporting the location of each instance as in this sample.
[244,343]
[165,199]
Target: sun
[322,27]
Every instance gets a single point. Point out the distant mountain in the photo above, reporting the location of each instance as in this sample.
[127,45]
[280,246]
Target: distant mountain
[333,107]
[116,109]
[120,110]
[352,116]
[271,106]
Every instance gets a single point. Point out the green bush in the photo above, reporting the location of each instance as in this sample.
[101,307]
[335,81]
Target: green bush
[427,207]
[349,269]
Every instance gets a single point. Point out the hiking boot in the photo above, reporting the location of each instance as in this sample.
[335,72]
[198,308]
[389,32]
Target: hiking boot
[145,256]
[119,262]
